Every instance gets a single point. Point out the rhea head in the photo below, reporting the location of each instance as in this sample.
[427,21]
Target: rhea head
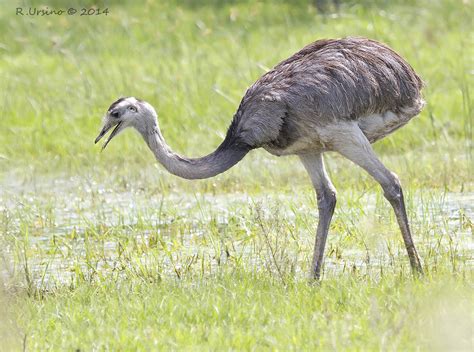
[128,112]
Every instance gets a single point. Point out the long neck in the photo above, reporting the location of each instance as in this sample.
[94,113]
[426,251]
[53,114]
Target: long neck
[223,158]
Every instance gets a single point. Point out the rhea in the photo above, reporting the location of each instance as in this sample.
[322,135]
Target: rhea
[336,95]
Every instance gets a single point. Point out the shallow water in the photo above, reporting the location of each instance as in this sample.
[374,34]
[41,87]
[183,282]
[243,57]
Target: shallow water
[55,222]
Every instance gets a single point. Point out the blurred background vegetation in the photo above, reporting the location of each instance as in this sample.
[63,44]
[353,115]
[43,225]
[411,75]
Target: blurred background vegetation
[194,60]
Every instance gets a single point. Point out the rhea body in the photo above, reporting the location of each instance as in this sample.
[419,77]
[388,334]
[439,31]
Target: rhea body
[333,95]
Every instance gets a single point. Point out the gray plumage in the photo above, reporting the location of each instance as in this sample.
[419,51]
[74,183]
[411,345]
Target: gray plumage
[333,95]
[325,82]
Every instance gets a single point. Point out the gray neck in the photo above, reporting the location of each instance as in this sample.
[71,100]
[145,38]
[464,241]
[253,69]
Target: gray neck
[222,159]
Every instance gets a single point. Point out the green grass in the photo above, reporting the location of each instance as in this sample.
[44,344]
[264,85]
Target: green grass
[245,311]
[195,62]
[106,251]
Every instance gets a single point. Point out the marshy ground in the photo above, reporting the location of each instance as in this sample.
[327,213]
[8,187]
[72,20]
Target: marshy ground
[106,251]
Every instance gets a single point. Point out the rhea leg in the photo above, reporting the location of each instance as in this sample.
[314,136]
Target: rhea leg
[326,195]
[357,148]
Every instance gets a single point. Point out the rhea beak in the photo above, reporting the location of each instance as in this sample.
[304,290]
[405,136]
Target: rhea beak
[105,129]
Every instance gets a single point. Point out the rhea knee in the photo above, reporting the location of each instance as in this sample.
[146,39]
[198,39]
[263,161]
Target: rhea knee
[393,189]
[327,200]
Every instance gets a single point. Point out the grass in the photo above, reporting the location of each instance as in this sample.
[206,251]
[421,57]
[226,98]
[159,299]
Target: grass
[252,312]
[195,62]
[106,251]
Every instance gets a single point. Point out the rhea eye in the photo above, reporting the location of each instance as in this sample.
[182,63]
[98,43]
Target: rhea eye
[132,108]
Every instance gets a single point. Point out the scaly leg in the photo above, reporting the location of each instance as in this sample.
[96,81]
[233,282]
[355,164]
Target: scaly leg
[326,195]
[357,148]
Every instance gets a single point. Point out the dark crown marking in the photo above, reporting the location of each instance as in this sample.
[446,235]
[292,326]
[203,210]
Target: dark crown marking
[115,103]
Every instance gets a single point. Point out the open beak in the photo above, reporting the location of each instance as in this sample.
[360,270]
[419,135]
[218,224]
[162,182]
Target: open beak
[105,129]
